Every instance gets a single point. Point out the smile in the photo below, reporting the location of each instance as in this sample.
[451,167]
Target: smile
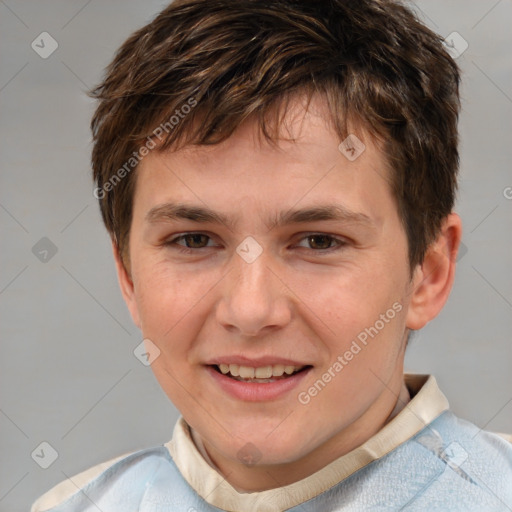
[261,374]
[257,383]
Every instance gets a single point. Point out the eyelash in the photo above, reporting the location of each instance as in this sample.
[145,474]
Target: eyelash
[339,243]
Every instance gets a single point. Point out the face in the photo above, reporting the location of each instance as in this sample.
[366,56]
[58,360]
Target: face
[283,263]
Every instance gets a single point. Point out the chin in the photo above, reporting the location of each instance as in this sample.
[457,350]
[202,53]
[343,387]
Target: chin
[264,446]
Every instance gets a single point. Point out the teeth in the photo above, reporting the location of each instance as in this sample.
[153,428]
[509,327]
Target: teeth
[278,370]
[265,372]
[246,372]
[262,372]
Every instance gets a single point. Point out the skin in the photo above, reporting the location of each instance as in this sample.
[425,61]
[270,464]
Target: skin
[303,299]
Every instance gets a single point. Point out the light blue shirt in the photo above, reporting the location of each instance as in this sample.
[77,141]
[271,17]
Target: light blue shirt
[450,465]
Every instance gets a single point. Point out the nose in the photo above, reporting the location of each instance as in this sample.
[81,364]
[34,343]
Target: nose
[254,300]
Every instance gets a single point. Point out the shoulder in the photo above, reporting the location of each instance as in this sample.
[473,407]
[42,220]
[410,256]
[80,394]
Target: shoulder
[507,437]
[482,447]
[69,487]
[474,466]
[125,477]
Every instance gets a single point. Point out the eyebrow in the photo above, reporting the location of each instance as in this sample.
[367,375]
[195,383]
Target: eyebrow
[200,214]
[331,212]
[172,211]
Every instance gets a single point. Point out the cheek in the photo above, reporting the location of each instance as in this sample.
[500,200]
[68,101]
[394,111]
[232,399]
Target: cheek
[360,319]
[171,312]
[362,358]
[164,299]
[347,301]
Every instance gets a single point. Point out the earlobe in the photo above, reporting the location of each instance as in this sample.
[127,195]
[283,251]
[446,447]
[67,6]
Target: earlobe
[433,279]
[126,285]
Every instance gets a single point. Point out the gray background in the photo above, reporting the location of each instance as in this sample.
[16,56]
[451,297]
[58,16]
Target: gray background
[68,375]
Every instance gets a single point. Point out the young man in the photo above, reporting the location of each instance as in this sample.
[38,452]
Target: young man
[278,181]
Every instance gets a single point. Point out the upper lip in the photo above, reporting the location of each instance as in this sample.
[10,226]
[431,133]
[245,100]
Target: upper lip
[255,362]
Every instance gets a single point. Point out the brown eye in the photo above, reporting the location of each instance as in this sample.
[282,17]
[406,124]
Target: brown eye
[320,241]
[195,240]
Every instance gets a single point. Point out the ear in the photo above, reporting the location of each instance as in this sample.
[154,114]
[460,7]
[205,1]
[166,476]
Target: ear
[433,279]
[126,284]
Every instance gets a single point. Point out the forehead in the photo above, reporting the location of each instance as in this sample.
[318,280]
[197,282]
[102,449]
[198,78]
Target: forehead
[296,125]
[308,162]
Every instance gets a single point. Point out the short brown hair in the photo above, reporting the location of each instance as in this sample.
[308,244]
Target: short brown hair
[375,63]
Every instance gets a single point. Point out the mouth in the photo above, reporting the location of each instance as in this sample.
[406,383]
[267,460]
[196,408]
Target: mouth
[259,375]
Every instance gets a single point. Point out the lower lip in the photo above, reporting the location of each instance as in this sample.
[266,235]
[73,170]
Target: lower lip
[257,391]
